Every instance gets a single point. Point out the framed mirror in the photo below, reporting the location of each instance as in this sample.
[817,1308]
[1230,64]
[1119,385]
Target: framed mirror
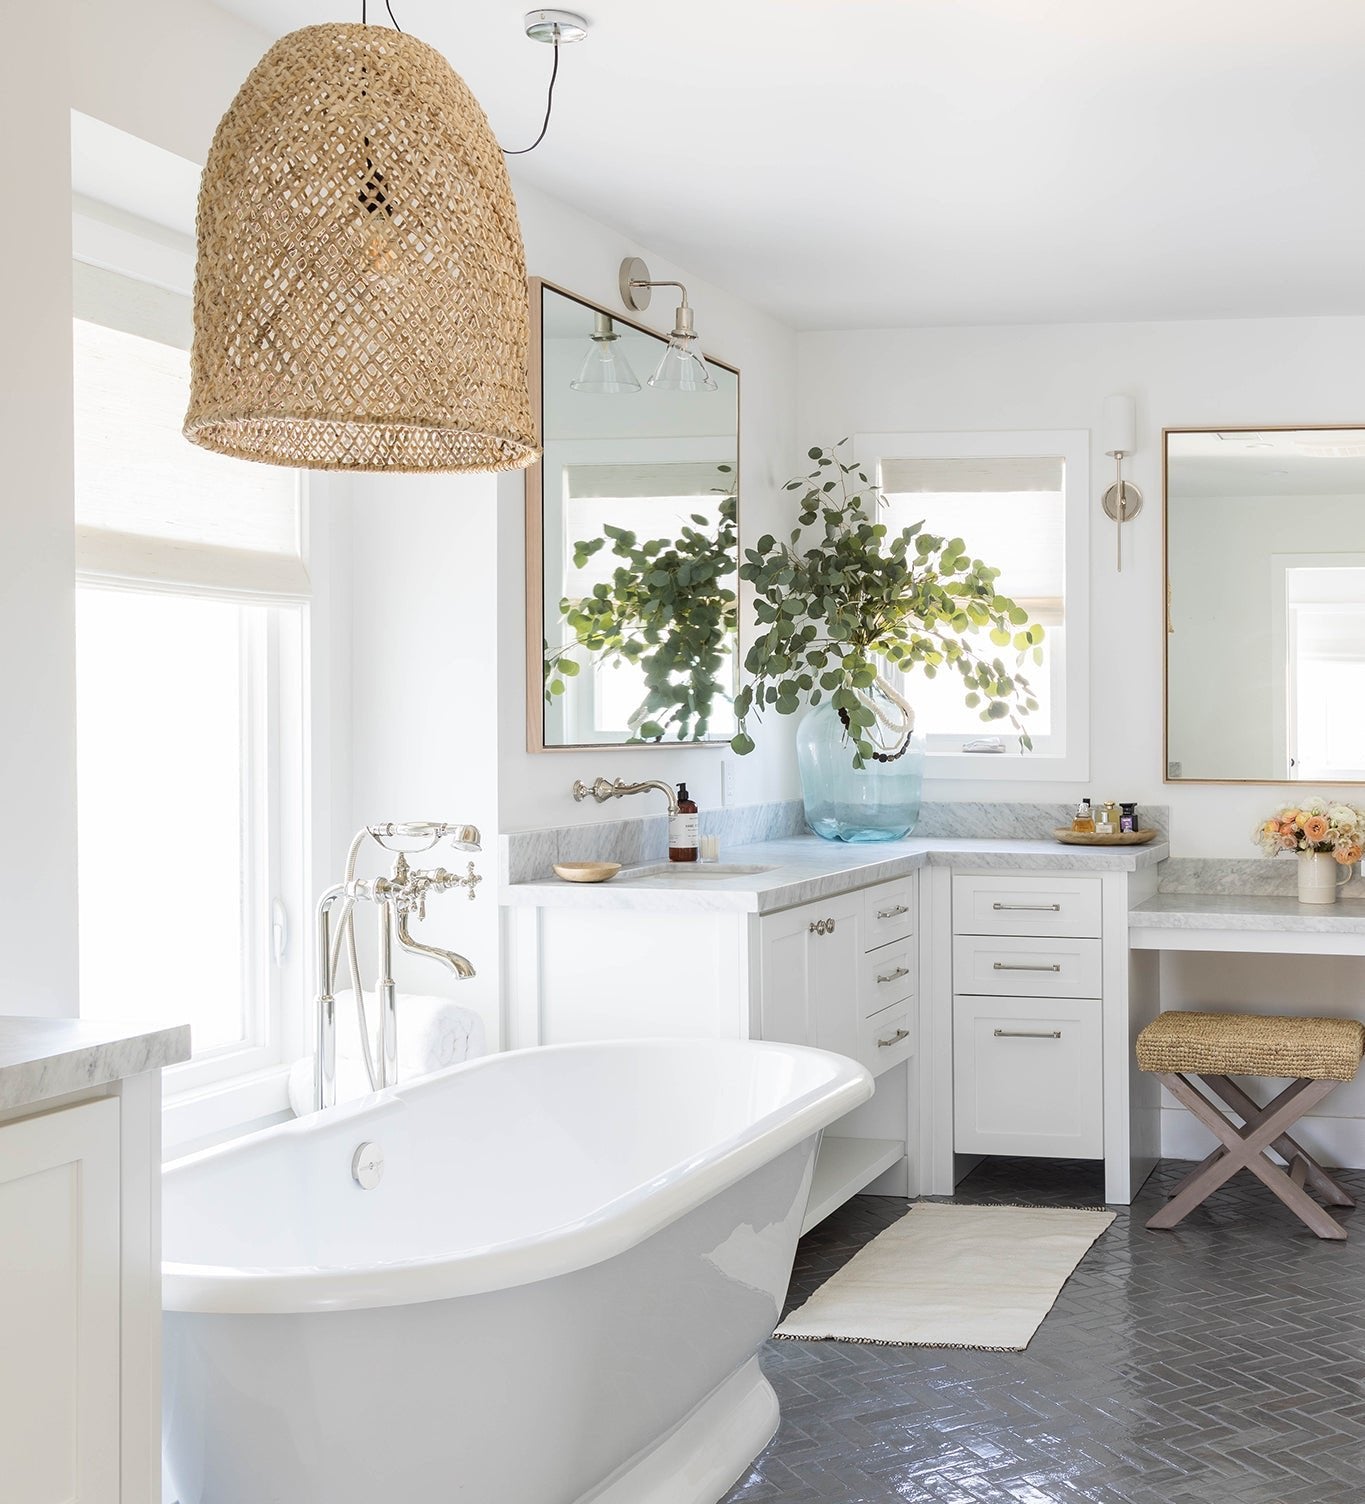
[632,539]
[1265,590]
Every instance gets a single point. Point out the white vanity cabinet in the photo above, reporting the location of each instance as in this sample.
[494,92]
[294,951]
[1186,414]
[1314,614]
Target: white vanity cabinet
[841,974]
[80,1278]
[1028,1016]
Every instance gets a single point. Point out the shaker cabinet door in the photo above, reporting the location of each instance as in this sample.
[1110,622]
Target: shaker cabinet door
[59,1307]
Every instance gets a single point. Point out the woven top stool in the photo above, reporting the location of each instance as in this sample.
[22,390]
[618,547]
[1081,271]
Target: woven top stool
[1212,1047]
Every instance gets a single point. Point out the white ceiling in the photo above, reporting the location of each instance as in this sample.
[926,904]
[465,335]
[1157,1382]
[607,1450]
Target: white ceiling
[874,163]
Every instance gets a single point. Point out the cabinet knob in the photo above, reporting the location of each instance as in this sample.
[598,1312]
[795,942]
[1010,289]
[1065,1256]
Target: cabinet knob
[829,926]
[817,926]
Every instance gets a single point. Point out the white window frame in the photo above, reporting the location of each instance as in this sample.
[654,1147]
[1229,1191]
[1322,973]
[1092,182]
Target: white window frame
[208,1099]
[1066,756]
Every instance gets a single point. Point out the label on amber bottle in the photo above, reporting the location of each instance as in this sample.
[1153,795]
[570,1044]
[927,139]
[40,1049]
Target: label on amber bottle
[683,832]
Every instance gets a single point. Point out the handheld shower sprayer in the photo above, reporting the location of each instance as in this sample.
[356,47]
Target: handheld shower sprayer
[397,898]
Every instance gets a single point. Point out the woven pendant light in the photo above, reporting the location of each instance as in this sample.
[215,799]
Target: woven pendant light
[360,298]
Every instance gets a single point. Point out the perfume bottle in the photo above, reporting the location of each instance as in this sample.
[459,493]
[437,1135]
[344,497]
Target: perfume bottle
[1083,822]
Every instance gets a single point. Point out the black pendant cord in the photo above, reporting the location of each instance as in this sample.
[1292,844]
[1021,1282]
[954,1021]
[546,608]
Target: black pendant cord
[549,106]
[364,16]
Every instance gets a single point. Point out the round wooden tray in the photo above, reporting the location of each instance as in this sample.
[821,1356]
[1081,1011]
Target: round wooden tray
[1093,838]
[586,872]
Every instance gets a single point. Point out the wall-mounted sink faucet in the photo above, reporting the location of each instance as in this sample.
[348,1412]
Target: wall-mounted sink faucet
[603,789]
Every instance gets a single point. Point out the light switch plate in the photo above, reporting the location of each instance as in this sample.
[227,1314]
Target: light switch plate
[731,780]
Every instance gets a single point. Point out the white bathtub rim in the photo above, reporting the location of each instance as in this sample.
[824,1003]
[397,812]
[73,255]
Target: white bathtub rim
[611,1229]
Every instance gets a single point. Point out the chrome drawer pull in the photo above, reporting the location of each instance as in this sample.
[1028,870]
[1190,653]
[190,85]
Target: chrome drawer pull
[891,913]
[895,976]
[896,1038]
[1028,1033]
[1029,908]
[1023,966]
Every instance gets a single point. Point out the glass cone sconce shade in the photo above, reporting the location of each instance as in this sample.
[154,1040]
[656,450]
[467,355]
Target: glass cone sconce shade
[605,367]
[360,295]
[682,369]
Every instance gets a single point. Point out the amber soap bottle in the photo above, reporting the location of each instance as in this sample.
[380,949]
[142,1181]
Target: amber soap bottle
[683,835]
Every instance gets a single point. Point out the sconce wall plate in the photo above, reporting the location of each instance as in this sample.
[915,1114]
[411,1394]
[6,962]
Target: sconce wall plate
[1132,502]
[634,284]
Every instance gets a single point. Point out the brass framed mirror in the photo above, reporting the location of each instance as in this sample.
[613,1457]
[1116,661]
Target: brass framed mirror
[632,539]
[1265,604]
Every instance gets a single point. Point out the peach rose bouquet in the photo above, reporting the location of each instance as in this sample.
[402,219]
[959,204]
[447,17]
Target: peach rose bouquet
[1335,829]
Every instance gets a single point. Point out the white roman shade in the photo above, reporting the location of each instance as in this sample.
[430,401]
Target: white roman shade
[940,476]
[629,481]
[151,508]
[1009,511]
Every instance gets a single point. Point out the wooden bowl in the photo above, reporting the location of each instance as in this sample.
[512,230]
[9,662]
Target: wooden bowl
[586,872]
[1094,838]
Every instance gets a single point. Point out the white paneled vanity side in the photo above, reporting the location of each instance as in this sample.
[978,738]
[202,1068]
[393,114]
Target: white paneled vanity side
[80,1278]
[839,973]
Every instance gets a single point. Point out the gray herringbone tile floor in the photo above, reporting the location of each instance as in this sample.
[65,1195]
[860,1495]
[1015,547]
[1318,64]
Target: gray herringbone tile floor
[1221,1363]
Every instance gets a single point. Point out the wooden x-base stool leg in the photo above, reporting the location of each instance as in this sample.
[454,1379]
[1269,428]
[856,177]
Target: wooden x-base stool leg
[1244,1149]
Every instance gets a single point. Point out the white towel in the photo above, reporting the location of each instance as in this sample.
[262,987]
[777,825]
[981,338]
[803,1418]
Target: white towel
[433,1033]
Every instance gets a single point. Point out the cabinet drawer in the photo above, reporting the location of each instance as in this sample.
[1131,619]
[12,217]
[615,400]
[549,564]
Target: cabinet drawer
[1020,905]
[887,1038]
[1024,966]
[1027,1077]
[890,912]
[888,976]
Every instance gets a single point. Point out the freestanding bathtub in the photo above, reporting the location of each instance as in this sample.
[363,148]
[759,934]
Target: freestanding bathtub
[554,1293]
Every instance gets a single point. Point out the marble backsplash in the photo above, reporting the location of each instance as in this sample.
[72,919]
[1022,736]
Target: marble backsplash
[1259,876]
[527,855]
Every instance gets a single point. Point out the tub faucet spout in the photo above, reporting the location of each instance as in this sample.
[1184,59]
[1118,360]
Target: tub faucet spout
[603,789]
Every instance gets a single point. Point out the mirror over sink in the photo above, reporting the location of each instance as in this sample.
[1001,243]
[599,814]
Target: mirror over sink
[1265,630]
[632,538]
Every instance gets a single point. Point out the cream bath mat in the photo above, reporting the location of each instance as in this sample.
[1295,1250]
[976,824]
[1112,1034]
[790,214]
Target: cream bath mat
[953,1276]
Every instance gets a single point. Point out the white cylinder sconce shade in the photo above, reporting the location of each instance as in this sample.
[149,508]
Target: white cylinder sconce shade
[1119,425]
[1118,433]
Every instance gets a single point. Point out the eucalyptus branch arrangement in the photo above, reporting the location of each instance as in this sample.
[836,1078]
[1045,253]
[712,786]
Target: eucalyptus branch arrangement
[843,598]
[668,609]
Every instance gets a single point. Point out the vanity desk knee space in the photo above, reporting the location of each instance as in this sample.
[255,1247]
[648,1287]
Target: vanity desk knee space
[985,984]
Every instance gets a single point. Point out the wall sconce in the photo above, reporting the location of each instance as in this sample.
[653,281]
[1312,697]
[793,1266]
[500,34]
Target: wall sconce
[605,368]
[1122,501]
[682,369]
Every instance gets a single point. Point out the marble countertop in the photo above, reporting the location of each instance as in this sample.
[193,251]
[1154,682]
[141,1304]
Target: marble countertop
[803,869]
[1247,911]
[48,1057]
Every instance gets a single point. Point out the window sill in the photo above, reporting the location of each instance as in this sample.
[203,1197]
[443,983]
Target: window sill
[1008,767]
[193,1119]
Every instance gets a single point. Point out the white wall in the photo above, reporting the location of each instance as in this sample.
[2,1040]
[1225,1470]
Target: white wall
[584,256]
[423,727]
[37,626]
[1238,372]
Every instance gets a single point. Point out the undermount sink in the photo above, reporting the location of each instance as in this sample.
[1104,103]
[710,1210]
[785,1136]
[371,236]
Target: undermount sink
[686,871]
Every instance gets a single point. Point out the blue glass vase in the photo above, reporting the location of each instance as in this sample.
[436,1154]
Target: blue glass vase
[877,802]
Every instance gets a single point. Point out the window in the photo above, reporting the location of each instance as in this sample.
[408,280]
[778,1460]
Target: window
[1318,632]
[191,619]
[1018,502]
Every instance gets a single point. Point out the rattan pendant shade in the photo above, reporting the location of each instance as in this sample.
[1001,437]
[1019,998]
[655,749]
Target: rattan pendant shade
[360,298]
